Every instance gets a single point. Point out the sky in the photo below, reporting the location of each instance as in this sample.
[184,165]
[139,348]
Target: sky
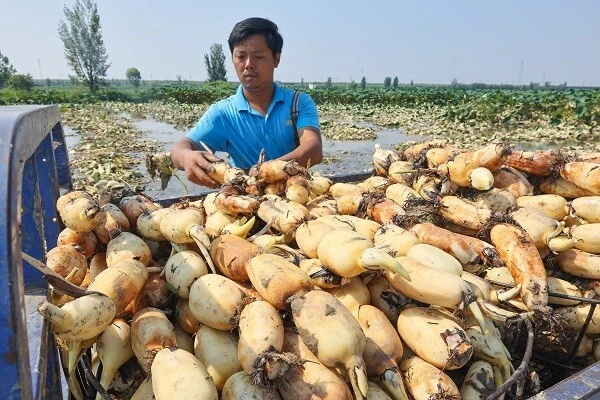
[424,41]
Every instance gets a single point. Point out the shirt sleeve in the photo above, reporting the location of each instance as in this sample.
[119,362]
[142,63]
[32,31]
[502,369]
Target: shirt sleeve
[307,113]
[210,130]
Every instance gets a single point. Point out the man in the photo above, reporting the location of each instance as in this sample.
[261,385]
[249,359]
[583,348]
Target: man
[256,117]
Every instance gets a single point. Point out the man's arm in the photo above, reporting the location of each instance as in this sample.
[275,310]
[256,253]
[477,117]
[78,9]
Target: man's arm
[188,157]
[310,150]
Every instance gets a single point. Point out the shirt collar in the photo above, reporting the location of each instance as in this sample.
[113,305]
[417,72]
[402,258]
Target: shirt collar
[241,104]
[277,94]
[240,101]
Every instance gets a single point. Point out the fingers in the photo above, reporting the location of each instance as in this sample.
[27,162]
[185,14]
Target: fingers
[200,158]
[196,167]
[199,177]
[211,157]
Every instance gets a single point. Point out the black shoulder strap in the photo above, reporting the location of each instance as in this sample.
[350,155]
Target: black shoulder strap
[294,116]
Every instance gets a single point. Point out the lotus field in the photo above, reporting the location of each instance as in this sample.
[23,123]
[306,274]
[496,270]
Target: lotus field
[113,130]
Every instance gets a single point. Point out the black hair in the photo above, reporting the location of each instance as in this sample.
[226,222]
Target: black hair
[252,26]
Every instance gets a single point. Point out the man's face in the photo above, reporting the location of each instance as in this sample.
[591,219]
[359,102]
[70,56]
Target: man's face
[254,63]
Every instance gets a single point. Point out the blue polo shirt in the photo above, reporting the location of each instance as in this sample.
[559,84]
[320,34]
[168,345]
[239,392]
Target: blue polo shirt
[233,126]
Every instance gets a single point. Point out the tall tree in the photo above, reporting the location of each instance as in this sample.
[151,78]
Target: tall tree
[387,82]
[83,45]
[133,76]
[363,83]
[215,63]
[6,70]
[21,82]
[395,83]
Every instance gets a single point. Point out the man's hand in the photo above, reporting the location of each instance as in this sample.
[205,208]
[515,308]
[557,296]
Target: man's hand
[194,162]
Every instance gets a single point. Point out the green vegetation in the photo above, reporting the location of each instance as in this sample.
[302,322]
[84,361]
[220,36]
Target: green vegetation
[496,107]
[133,76]
[387,82]
[83,45]
[215,64]
[6,70]
[21,82]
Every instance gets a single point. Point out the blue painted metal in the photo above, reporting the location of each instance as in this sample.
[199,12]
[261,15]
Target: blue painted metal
[48,189]
[61,156]
[31,147]
[32,241]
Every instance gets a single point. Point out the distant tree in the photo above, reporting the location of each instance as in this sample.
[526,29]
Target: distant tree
[395,83]
[21,82]
[48,82]
[133,76]
[352,85]
[387,82]
[412,83]
[454,83]
[6,70]
[179,79]
[328,83]
[363,83]
[215,63]
[83,45]
[547,84]
[301,82]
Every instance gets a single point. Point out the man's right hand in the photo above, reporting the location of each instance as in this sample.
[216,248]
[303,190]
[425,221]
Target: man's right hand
[196,164]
